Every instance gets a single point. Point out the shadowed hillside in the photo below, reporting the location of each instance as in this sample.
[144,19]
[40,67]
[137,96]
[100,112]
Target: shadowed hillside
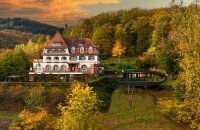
[26,25]
[8,39]
[15,31]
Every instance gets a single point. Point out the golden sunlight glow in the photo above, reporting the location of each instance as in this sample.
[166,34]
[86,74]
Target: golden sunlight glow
[52,11]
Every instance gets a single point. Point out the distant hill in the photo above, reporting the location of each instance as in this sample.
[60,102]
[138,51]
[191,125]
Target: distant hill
[19,30]
[27,25]
[10,38]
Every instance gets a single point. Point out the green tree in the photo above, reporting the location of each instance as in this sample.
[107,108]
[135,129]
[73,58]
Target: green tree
[11,64]
[144,30]
[35,97]
[80,112]
[42,39]
[103,37]
[186,39]
[168,59]
[121,34]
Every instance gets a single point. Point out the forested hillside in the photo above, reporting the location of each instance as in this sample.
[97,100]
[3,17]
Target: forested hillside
[15,31]
[164,40]
[137,29]
[27,25]
[132,27]
[8,39]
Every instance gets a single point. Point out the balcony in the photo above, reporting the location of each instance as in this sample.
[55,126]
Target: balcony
[76,71]
[37,61]
[55,54]
[64,71]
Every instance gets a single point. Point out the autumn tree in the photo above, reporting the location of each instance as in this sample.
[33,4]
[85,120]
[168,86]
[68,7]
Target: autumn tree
[30,120]
[118,50]
[186,39]
[120,34]
[35,97]
[80,111]
[103,37]
[168,59]
[143,30]
[42,39]
[11,63]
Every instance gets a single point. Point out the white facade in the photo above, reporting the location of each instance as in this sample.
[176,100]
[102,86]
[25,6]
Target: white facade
[60,58]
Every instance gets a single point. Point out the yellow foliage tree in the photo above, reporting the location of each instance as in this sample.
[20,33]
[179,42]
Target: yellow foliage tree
[30,120]
[80,111]
[118,49]
[186,39]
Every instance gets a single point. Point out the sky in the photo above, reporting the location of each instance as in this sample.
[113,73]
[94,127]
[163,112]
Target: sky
[60,12]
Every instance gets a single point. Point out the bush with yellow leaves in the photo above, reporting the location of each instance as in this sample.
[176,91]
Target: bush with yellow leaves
[183,112]
[30,120]
[80,111]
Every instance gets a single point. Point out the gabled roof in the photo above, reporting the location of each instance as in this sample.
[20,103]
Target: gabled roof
[79,42]
[56,38]
[69,42]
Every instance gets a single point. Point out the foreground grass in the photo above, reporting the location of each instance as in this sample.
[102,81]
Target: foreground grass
[6,117]
[8,114]
[139,112]
[113,63]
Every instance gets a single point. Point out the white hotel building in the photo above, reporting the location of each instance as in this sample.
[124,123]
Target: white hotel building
[67,56]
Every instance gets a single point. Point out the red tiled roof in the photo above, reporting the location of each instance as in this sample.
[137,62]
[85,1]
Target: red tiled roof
[86,42]
[57,38]
[71,42]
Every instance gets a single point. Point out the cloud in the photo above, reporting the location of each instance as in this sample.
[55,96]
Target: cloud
[55,12]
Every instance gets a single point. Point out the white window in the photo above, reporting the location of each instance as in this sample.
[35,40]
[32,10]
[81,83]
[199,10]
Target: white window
[48,51]
[56,44]
[84,68]
[90,50]
[55,68]
[56,58]
[81,57]
[73,58]
[48,58]
[63,68]
[53,51]
[38,67]
[73,50]
[90,57]
[48,68]
[81,50]
[63,51]
[63,58]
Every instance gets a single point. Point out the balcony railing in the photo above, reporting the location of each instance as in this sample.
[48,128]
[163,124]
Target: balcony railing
[38,61]
[56,61]
[60,71]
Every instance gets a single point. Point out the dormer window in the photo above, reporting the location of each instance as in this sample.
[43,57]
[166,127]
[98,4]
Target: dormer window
[56,44]
[48,51]
[90,50]
[80,44]
[73,49]
[81,50]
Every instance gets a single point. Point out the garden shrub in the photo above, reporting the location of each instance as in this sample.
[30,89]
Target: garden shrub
[184,112]
[16,93]
[30,120]
[54,96]
[35,97]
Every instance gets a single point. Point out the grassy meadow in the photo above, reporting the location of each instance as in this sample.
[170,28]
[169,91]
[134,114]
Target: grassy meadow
[136,111]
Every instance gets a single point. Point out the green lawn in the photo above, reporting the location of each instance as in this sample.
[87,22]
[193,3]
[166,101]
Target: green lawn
[8,114]
[6,117]
[114,64]
[138,113]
